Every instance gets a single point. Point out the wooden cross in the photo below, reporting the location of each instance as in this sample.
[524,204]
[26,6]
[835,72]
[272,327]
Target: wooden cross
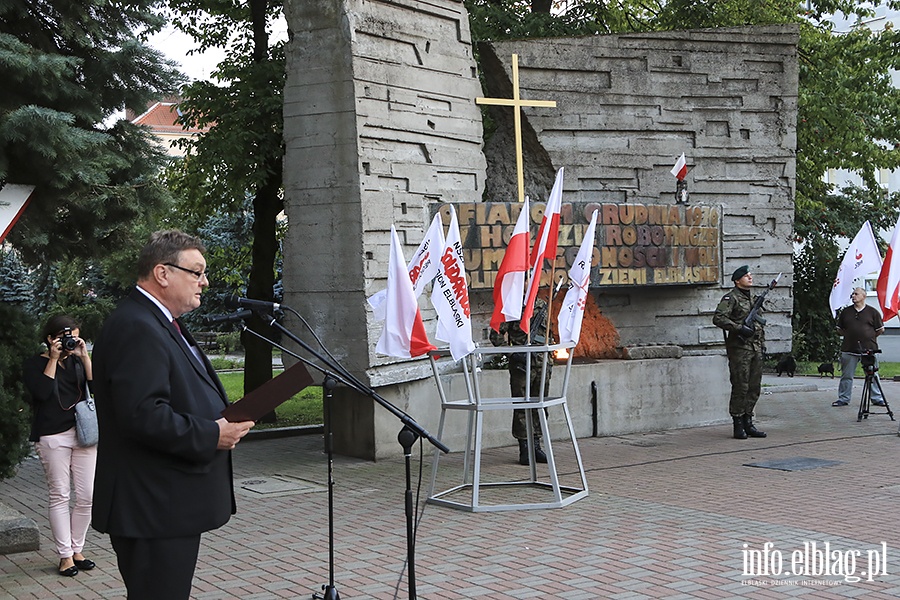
[517,103]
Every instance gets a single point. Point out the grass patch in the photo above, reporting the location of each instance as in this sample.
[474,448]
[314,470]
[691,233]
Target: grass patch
[223,363]
[886,370]
[304,408]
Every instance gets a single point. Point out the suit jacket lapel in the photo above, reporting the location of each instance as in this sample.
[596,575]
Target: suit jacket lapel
[205,370]
[210,372]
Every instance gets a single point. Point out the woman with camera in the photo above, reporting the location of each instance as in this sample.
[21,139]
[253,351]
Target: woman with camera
[57,380]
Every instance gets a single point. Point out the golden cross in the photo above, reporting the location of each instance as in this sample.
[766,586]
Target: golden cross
[517,103]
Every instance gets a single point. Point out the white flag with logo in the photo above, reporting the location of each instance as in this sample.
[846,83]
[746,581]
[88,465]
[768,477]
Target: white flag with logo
[422,268]
[862,258]
[571,314]
[450,295]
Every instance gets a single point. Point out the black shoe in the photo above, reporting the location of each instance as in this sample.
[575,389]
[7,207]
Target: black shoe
[739,433]
[70,572]
[750,429]
[877,402]
[85,564]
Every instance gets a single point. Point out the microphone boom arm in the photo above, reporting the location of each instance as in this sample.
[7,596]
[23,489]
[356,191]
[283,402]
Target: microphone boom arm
[345,377]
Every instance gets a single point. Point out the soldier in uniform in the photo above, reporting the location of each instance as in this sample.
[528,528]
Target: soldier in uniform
[744,347]
[512,335]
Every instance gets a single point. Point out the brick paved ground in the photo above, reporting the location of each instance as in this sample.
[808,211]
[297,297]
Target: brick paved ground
[668,516]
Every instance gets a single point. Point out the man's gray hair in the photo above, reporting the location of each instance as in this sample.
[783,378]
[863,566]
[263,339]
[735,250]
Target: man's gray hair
[164,247]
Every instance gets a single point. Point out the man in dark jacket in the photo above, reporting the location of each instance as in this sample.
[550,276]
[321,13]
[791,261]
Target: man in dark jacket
[744,347]
[164,462]
[860,324]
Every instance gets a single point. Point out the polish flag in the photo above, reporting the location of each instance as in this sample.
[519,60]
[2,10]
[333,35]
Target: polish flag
[509,288]
[680,168]
[545,248]
[450,295]
[862,258]
[571,314]
[404,333]
[422,268]
[888,287]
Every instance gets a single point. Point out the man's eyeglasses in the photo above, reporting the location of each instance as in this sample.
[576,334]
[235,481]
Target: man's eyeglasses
[198,274]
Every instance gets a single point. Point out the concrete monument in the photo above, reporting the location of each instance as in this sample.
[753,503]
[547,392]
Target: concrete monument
[382,127]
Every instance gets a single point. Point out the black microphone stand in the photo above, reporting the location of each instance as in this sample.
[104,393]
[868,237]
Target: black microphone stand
[409,434]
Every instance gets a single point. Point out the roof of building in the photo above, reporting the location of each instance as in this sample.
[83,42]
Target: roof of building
[162,117]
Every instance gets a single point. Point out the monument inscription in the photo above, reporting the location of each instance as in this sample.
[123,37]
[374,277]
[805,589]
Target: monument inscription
[635,244]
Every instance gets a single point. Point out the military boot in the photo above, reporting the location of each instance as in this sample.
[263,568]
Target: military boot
[523,452]
[739,433]
[539,455]
[750,429]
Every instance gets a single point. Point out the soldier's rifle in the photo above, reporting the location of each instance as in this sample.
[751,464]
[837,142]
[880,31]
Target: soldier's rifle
[748,327]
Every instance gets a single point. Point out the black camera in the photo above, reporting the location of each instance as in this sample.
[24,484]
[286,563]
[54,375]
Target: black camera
[69,342]
[867,358]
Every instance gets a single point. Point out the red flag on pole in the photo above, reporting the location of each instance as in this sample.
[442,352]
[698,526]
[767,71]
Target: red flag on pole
[680,168]
[888,286]
[404,333]
[509,288]
[545,248]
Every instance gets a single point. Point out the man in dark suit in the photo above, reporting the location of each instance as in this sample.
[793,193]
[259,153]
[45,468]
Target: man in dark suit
[164,461]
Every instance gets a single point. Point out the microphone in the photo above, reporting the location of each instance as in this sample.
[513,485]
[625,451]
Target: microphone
[238,302]
[238,316]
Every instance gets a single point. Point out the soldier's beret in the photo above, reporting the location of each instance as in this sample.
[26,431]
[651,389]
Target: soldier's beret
[740,272]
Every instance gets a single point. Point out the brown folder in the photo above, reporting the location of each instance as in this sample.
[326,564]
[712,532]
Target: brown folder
[269,395]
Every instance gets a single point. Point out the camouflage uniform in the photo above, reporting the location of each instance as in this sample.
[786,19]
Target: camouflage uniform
[511,334]
[744,352]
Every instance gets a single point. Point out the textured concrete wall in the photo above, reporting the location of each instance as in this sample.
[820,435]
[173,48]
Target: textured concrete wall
[627,107]
[379,122]
[672,393]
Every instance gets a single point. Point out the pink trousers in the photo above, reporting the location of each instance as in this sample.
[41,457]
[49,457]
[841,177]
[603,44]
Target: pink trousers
[68,465]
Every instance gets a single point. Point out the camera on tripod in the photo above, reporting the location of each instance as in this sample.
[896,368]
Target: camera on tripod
[868,362]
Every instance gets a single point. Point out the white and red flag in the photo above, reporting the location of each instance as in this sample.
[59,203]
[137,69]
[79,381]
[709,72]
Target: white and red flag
[680,168]
[450,295]
[404,333]
[13,200]
[862,258]
[888,286]
[509,287]
[544,248]
[422,268]
[571,313]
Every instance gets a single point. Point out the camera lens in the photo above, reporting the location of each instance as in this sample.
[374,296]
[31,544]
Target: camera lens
[69,343]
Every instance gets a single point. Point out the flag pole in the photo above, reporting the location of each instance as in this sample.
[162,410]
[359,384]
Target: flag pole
[552,293]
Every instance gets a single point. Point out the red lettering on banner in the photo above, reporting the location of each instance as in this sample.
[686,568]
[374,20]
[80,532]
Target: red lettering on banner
[457,279]
[417,270]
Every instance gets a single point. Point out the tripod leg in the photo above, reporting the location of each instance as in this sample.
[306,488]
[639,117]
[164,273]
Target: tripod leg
[887,406]
[864,400]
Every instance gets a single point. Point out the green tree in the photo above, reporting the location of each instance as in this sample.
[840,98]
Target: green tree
[68,67]
[243,150]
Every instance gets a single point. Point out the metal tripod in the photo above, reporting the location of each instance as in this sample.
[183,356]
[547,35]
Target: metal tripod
[867,358]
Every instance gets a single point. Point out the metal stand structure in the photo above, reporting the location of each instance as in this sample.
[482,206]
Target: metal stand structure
[475,405]
[411,432]
[870,367]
